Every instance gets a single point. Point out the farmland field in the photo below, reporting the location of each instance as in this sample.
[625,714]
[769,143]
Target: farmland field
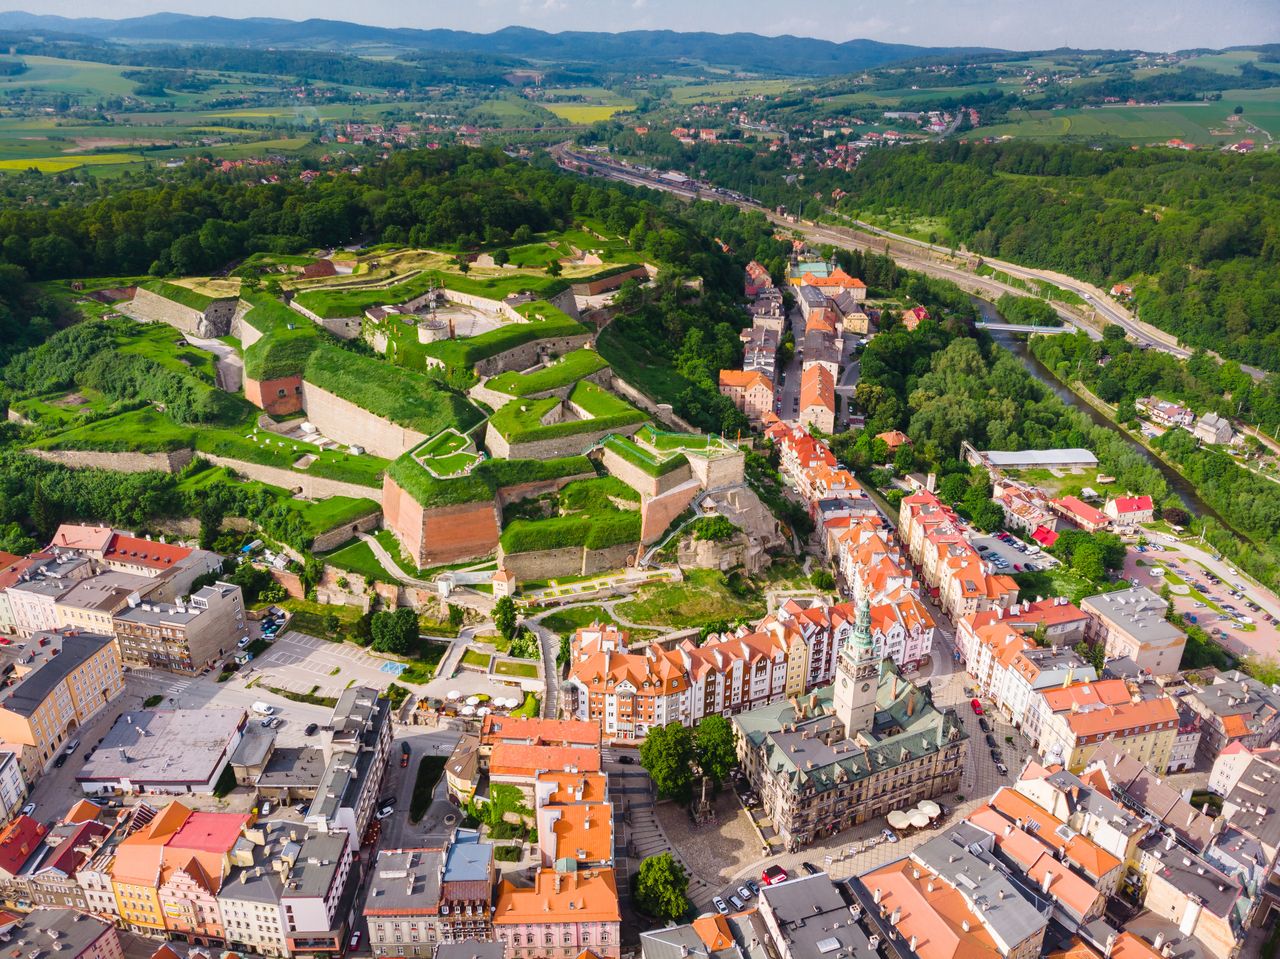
[582,112]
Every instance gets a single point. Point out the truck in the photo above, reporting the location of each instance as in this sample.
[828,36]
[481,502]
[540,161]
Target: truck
[263,709]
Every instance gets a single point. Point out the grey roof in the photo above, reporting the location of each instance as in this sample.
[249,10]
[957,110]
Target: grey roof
[51,657]
[1190,874]
[1082,798]
[1137,610]
[164,745]
[471,949]
[1236,694]
[107,591]
[1141,789]
[1256,799]
[814,919]
[811,295]
[290,853]
[405,881]
[1057,457]
[681,942]
[52,577]
[293,766]
[1009,910]
[358,715]
[815,751]
[34,936]
[255,745]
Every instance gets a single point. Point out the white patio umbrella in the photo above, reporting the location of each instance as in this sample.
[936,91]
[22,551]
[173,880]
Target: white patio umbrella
[898,819]
[473,700]
[468,710]
[930,808]
[919,819]
[453,694]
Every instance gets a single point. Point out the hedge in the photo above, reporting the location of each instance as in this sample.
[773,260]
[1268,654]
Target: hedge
[391,392]
[640,459]
[471,350]
[568,369]
[180,295]
[484,481]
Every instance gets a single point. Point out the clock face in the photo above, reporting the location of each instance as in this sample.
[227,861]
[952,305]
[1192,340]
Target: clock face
[865,687]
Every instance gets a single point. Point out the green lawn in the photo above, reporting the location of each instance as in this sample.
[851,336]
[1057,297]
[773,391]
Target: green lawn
[568,369]
[651,374]
[1059,581]
[569,620]
[521,422]
[357,557]
[642,458]
[310,618]
[474,657]
[546,321]
[530,707]
[703,597]
[508,668]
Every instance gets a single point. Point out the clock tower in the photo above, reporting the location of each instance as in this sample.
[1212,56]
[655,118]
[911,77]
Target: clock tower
[858,676]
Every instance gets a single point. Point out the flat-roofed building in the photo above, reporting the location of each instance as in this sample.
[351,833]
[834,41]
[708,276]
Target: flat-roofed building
[163,751]
[184,637]
[357,742]
[807,917]
[1131,623]
[60,681]
[34,596]
[64,934]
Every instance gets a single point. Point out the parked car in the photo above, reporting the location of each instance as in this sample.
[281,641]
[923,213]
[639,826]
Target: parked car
[736,903]
[28,809]
[744,893]
[354,942]
[60,761]
[890,835]
[991,741]
[311,729]
[720,906]
[773,875]
[627,760]
[754,887]
[976,706]
[810,868]
[385,811]
[985,726]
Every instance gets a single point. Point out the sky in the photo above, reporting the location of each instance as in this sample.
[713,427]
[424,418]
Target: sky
[1011,24]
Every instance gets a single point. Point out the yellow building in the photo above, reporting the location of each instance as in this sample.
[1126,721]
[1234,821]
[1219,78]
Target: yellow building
[63,678]
[1144,730]
[90,603]
[135,871]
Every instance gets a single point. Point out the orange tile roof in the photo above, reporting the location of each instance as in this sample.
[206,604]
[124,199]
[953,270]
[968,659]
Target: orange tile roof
[19,840]
[519,729]
[1124,716]
[714,932]
[894,438]
[589,896]
[745,379]
[943,925]
[593,786]
[817,387]
[517,759]
[1130,946]
[1079,849]
[1235,726]
[144,552]
[584,832]
[1109,692]
[83,811]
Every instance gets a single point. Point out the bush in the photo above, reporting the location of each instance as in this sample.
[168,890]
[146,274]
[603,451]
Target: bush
[395,632]
[507,853]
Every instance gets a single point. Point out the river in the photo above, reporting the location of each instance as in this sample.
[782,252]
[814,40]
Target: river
[1019,348]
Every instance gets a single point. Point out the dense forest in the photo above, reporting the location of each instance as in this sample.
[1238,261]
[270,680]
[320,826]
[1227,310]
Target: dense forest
[1198,233]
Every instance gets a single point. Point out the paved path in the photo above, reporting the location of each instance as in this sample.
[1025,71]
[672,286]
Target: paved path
[390,565]
[229,365]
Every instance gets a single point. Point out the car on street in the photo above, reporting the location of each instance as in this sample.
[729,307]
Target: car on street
[753,886]
[627,760]
[991,741]
[720,905]
[354,942]
[744,893]
[976,706]
[60,761]
[28,809]
[773,875]
[386,811]
[736,903]
[890,835]
[405,752]
[810,868]
[311,729]
[983,724]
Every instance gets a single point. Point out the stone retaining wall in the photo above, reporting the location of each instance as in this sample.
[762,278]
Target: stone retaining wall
[527,354]
[662,411]
[638,479]
[574,444]
[605,284]
[565,561]
[657,512]
[149,307]
[346,327]
[348,424]
[727,469]
[519,491]
[120,462]
[340,534]
[312,487]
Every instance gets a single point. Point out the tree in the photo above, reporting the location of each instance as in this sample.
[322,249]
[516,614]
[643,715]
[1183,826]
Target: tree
[822,579]
[504,617]
[395,632]
[210,515]
[716,747]
[1094,654]
[668,754]
[501,257]
[554,268]
[661,888]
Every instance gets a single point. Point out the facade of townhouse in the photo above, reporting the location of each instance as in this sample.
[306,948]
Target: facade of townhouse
[1131,623]
[182,637]
[63,679]
[1130,510]
[1234,708]
[750,391]
[1078,718]
[562,915]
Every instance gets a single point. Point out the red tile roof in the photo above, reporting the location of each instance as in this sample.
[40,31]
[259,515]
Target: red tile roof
[144,552]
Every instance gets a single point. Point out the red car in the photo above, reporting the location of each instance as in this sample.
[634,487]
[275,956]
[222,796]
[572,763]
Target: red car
[773,875]
[977,707]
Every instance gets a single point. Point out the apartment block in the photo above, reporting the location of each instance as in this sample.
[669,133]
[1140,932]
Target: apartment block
[182,637]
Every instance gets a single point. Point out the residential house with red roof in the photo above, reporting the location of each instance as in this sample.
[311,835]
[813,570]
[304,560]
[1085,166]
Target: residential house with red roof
[750,390]
[1130,510]
[818,398]
[1078,718]
[1080,514]
[914,317]
[558,917]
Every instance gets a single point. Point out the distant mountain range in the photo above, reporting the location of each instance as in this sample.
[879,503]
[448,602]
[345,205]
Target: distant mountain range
[794,56]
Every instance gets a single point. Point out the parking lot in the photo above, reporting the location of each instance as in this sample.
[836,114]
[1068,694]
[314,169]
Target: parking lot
[299,662]
[998,549]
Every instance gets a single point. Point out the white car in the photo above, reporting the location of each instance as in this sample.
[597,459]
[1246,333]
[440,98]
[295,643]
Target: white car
[720,905]
[890,835]
[28,809]
[386,811]
[744,893]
